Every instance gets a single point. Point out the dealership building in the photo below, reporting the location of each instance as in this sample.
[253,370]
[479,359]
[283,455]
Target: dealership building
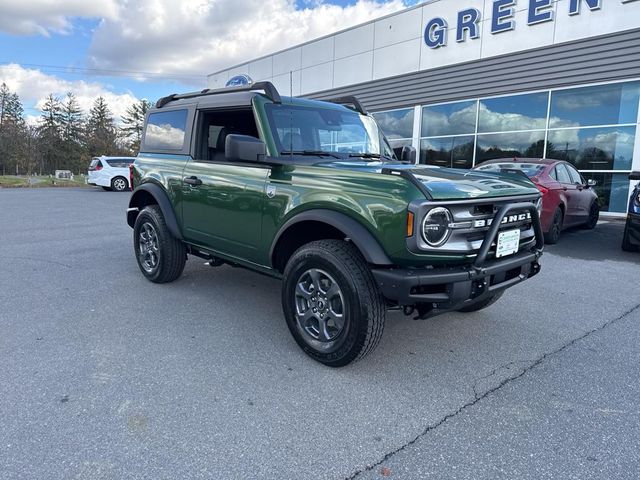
[468,80]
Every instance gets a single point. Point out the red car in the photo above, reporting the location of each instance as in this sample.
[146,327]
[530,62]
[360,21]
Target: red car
[567,199]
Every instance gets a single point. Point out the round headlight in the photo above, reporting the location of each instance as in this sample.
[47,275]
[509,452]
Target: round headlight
[435,226]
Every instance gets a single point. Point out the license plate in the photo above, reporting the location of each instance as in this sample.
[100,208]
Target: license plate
[507,243]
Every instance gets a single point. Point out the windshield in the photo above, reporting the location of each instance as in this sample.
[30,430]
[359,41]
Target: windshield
[529,169]
[325,130]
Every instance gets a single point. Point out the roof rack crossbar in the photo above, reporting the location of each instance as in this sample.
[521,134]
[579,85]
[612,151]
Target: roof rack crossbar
[349,100]
[268,88]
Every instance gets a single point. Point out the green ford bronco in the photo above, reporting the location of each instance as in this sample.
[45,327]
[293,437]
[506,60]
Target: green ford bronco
[311,192]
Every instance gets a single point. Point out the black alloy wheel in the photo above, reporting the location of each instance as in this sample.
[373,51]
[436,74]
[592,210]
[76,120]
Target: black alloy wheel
[331,303]
[161,257]
[553,235]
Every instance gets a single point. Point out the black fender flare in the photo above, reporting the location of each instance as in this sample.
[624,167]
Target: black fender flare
[162,199]
[359,235]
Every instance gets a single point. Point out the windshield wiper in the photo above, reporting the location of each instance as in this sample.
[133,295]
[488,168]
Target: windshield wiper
[319,153]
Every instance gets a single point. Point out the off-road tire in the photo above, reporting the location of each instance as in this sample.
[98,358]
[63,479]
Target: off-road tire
[119,184]
[171,252]
[553,235]
[594,216]
[363,310]
[487,302]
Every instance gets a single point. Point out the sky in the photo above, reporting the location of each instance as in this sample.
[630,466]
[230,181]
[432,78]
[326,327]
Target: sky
[127,50]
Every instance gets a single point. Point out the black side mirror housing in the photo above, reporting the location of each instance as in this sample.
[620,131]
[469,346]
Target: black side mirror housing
[244,148]
[408,154]
[634,176]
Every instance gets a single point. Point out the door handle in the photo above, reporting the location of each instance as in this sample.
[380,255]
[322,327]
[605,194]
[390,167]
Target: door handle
[193,180]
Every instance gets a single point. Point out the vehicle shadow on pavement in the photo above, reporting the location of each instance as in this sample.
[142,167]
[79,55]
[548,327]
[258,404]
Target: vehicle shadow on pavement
[599,244]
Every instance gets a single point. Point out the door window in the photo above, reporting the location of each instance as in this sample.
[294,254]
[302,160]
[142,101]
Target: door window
[562,174]
[217,125]
[575,176]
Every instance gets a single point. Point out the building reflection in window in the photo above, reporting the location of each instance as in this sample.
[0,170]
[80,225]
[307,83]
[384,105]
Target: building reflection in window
[606,148]
[612,189]
[598,105]
[396,123]
[449,119]
[454,152]
[512,113]
[505,145]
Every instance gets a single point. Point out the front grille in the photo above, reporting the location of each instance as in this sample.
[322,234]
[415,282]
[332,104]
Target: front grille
[469,231]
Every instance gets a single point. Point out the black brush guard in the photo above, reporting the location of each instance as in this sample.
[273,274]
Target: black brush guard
[442,289]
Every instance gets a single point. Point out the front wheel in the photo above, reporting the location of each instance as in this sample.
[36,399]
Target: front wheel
[594,216]
[161,257]
[331,302]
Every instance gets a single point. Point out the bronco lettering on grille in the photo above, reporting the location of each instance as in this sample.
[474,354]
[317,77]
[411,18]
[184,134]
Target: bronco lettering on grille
[516,217]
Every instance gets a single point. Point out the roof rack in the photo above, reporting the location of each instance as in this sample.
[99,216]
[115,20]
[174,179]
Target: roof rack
[349,100]
[268,88]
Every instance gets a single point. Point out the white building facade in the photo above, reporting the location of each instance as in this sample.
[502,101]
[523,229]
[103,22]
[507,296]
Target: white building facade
[465,81]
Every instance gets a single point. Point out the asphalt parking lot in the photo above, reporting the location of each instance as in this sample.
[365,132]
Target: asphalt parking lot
[107,376]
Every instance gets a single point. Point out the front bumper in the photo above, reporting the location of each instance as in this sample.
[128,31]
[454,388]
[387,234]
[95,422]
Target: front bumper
[454,287]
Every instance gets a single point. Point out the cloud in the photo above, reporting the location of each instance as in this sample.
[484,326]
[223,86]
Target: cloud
[40,17]
[200,37]
[33,86]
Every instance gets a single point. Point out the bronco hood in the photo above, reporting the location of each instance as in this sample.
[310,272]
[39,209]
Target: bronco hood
[452,183]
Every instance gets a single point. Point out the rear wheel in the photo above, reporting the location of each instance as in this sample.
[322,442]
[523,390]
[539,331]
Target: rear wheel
[594,216]
[331,302]
[553,235]
[483,303]
[161,257]
[119,184]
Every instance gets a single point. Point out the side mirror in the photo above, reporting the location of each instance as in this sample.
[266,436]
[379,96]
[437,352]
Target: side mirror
[634,176]
[408,154]
[244,148]
[591,182]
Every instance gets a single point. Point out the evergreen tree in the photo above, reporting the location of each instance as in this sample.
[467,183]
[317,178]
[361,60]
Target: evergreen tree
[133,122]
[71,125]
[50,135]
[100,131]
[12,130]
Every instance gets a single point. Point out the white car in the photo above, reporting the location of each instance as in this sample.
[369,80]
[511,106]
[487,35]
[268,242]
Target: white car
[110,173]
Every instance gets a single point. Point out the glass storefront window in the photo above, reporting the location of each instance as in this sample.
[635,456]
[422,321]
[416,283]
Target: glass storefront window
[449,119]
[598,105]
[454,152]
[396,123]
[509,145]
[398,144]
[608,148]
[612,189]
[515,112]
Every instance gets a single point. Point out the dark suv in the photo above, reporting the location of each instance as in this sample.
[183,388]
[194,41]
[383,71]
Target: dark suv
[631,235]
[312,193]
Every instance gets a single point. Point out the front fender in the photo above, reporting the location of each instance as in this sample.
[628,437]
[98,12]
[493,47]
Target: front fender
[359,235]
[148,194]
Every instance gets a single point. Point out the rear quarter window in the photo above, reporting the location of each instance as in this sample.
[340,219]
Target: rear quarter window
[119,162]
[166,130]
